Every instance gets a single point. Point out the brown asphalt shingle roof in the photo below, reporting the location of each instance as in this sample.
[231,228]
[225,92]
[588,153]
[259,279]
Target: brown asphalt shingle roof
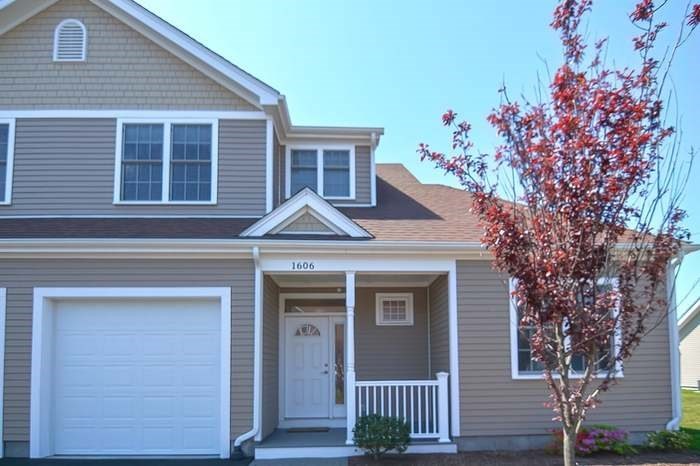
[406,210]
[412,211]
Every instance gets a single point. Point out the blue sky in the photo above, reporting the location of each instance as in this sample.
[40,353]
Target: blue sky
[400,64]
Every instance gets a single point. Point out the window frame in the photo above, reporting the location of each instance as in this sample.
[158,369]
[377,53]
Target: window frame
[83,55]
[166,159]
[516,374]
[379,311]
[9,164]
[319,149]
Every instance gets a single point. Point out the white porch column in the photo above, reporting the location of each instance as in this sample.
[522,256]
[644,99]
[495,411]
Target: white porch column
[350,354]
[443,407]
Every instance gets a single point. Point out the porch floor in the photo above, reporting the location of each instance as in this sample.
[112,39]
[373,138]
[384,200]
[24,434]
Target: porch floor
[282,438]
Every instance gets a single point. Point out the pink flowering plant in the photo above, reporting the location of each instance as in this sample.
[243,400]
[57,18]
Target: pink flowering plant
[596,439]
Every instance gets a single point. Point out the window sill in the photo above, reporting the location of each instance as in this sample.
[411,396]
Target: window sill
[154,203]
[532,376]
[394,324]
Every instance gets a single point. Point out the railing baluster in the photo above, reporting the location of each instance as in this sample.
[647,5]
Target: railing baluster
[381,399]
[396,401]
[405,417]
[374,399]
[434,429]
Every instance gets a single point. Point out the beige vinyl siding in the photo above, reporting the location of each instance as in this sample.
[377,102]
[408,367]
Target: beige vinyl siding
[690,354]
[123,69]
[492,403]
[305,224]
[66,167]
[439,326]
[390,352]
[19,276]
[270,357]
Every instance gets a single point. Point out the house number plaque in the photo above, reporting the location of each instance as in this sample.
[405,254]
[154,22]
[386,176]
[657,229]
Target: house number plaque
[303,265]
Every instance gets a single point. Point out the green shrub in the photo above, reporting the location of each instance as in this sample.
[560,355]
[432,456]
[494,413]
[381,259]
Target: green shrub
[377,434]
[668,440]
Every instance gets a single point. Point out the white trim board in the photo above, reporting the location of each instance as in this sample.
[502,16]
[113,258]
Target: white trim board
[127,113]
[3,314]
[40,444]
[9,165]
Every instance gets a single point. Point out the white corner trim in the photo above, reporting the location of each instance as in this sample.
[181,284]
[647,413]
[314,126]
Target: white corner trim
[269,162]
[673,345]
[166,159]
[319,148]
[453,317]
[9,165]
[378,309]
[40,444]
[56,33]
[3,314]
[373,170]
[323,210]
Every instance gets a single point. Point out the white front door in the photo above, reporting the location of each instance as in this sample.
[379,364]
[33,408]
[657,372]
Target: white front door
[307,367]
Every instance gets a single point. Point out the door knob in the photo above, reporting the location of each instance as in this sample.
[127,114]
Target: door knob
[325,372]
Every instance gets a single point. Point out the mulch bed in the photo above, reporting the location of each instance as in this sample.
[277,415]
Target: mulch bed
[527,458]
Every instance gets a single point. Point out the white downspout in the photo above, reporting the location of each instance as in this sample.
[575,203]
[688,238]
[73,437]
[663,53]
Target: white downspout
[257,356]
[673,342]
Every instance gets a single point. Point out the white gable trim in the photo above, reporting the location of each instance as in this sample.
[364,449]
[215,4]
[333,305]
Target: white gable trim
[306,201]
[262,93]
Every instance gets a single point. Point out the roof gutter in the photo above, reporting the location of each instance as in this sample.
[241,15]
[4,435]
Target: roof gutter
[257,357]
[673,343]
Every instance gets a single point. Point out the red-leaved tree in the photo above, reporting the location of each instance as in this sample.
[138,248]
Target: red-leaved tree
[589,218]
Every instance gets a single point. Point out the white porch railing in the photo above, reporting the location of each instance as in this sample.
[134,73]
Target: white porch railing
[423,404]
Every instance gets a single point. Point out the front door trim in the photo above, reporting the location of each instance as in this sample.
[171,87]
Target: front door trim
[40,444]
[334,317]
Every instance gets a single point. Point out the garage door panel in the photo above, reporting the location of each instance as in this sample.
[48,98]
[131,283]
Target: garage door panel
[136,377]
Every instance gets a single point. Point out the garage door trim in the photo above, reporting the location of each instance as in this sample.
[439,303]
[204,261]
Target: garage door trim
[40,441]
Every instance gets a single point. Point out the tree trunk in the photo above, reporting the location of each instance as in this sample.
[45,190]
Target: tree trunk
[569,447]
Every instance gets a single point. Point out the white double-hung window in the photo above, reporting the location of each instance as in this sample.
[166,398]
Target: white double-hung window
[169,162]
[523,364]
[328,170]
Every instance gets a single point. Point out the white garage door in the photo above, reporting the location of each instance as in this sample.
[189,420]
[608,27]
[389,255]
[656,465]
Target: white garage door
[134,376]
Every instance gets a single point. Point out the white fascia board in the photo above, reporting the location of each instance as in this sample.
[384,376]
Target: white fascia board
[689,315]
[265,94]
[306,198]
[238,248]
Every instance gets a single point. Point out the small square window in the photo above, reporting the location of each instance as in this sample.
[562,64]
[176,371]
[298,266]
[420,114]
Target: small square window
[394,309]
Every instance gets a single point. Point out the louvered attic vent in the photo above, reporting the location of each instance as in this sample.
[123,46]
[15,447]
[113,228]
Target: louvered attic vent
[70,41]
